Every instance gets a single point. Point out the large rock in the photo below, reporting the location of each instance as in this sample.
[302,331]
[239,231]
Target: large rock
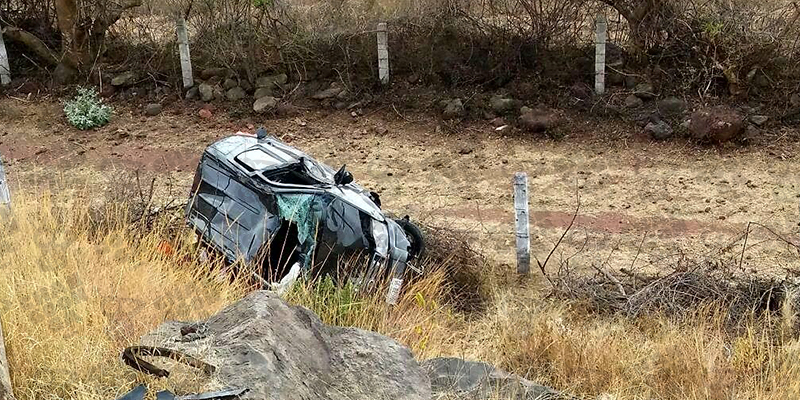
[124,79]
[453,109]
[539,119]
[644,91]
[672,107]
[454,378]
[659,130]
[332,91]
[206,92]
[265,103]
[716,124]
[502,105]
[235,93]
[272,81]
[278,351]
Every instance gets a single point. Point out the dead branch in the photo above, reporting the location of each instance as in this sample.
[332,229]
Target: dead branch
[33,43]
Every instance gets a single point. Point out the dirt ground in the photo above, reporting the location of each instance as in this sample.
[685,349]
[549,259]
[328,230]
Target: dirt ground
[642,204]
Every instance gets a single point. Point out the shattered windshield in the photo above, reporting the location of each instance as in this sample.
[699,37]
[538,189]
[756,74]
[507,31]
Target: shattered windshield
[317,170]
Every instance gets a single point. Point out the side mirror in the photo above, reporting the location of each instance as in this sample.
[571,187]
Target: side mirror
[343,176]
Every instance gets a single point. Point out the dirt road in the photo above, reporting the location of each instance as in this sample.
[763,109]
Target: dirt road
[642,204]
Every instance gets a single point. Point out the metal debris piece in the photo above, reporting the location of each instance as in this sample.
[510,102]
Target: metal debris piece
[225,394]
[137,393]
[165,395]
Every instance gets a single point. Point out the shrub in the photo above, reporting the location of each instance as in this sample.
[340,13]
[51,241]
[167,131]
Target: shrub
[86,110]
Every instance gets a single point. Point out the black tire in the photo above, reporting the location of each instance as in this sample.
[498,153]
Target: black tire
[415,236]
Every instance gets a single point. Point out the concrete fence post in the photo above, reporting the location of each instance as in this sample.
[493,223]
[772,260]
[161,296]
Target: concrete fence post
[5,193]
[5,377]
[600,55]
[5,69]
[383,53]
[183,47]
[522,222]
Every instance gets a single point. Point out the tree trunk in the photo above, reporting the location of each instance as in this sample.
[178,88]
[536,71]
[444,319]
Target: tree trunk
[83,32]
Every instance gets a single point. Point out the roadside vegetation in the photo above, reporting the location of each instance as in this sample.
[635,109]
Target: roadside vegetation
[80,280]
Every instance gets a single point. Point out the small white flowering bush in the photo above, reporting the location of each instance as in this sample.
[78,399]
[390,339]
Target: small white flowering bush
[86,110]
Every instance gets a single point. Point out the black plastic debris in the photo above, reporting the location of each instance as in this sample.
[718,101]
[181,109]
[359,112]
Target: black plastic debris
[137,393]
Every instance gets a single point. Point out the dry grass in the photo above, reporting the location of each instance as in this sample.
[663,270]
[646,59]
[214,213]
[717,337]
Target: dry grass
[74,292]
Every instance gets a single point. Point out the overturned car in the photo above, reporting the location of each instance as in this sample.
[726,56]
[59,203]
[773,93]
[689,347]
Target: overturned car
[259,200]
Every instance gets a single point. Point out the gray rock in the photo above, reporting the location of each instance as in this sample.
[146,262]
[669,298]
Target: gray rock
[453,109]
[124,79]
[152,109]
[245,84]
[759,120]
[265,103]
[206,92]
[262,92]
[219,94]
[659,130]
[235,93]
[502,105]
[672,106]
[192,93]
[278,351]
[630,81]
[459,379]
[332,91]
[644,91]
[272,81]
[633,102]
[229,84]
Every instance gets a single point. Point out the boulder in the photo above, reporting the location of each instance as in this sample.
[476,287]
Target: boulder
[265,103]
[124,79]
[539,119]
[235,93]
[454,378]
[502,105]
[717,124]
[672,107]
[272,81]
[759,120]
[192,93]
[453,109]
[209,73]
[332,91]
[633,102]
[279,351]
[644,91]
[229,84]
[659,130]
[206,92]
[262,92]
[152,109]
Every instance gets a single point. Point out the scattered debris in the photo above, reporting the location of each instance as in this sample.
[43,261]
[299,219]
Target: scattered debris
[137,393]
[257,198]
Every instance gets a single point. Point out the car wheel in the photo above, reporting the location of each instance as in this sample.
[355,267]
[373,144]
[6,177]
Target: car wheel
[415,237]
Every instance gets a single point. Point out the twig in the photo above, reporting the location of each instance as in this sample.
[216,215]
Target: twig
[744,246]
[569,227]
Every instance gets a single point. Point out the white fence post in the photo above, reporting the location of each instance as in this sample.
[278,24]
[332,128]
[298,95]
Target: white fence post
[600,55]
[383,53]
[5,69]
[5,193]
[183,47]
[522,232]
[5,379]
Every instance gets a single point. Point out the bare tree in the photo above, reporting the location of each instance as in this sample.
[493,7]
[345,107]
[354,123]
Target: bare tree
[82,25]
